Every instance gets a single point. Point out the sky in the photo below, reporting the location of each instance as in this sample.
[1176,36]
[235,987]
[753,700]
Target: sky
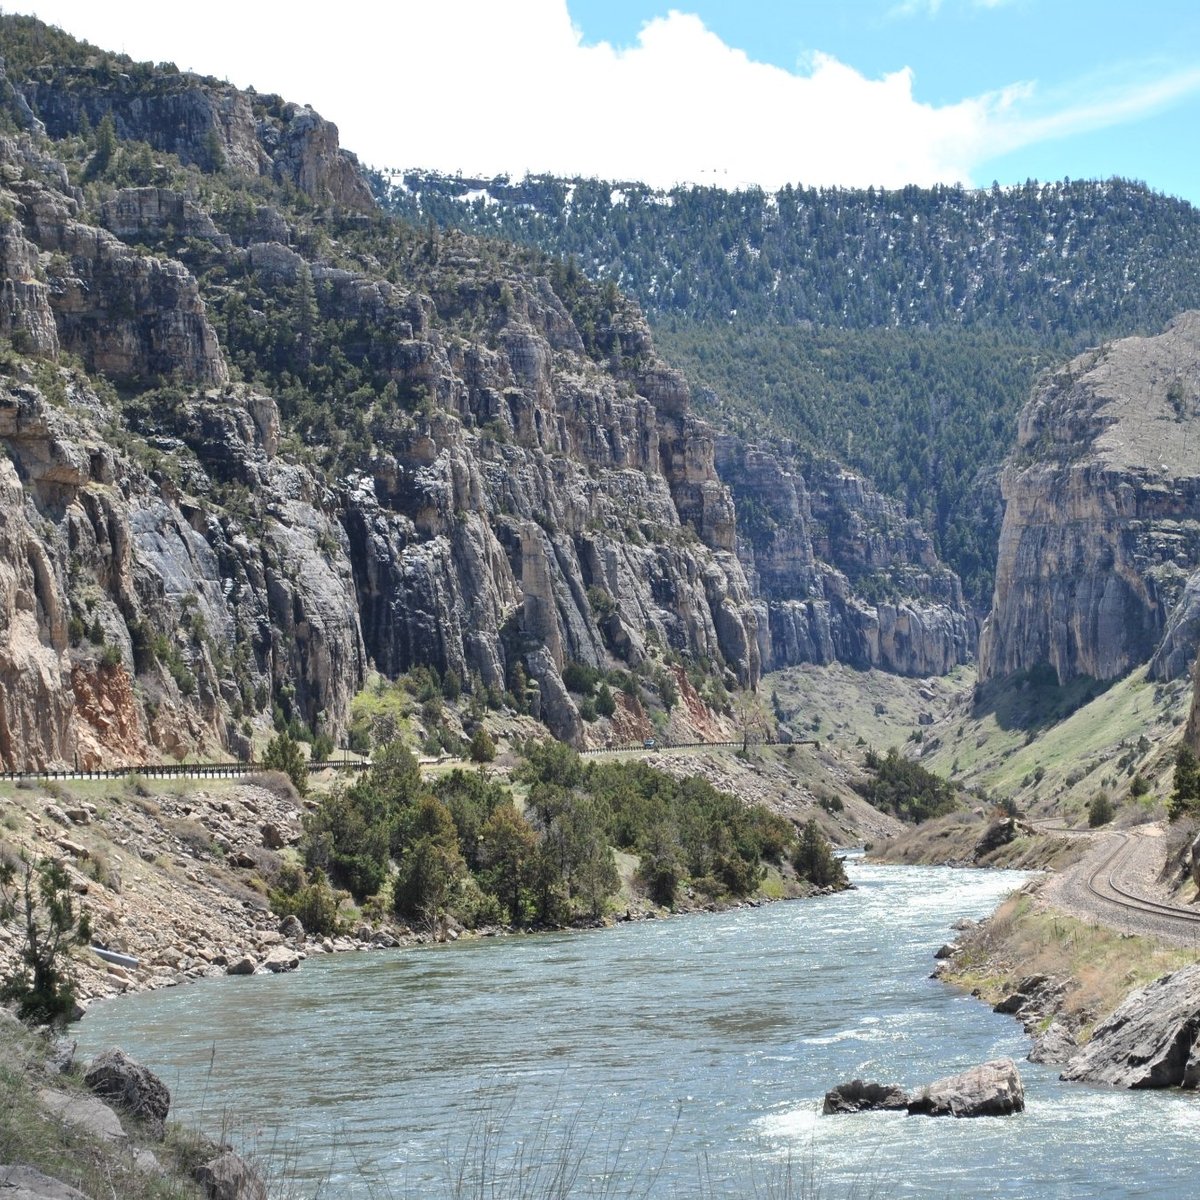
[725,92]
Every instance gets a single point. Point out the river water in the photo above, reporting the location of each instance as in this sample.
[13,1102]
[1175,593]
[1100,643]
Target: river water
[680,1058]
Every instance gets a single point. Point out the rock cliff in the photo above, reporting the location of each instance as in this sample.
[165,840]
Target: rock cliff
[199,120]
[1101,528]
[171,576]
[839,573]
[257,447]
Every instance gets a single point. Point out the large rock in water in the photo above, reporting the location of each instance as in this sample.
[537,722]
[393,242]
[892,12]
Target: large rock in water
[857,1096]
[1152,1040]
[993,1089]
[116,1077]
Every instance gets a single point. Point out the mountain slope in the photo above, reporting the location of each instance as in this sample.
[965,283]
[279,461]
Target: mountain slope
[898,332]
[260,440]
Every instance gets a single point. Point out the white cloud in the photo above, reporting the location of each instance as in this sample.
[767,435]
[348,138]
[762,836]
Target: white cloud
[487,87]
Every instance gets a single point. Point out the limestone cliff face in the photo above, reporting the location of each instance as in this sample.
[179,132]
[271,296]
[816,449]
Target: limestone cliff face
[838,572]
[109,576]
[1102,515]
[538,509]
[497,476]
[202,121]
[540,518]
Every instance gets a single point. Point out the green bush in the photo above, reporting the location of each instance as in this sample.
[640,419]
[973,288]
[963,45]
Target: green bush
[1100,810]
[815,860]
[38,899]
[314,903]
[483,748]
[283,754]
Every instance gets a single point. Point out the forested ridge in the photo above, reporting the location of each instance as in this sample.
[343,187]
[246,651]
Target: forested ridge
[897,332]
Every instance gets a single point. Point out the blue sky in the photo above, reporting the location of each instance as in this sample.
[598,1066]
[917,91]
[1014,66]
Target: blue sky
[844,92]
[1072,50]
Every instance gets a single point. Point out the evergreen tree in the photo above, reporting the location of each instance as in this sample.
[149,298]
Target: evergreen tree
[1185,794]
[38,899]
[814,859]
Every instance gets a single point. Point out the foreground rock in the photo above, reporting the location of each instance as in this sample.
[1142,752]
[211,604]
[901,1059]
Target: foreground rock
[84,1114]
[858,1096]
[24,1183]
[993,1089]
[1152,1040]
[117,1078]
[230,1177]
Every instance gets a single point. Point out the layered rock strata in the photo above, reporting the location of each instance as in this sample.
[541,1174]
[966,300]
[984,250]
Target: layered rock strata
[1101,528]
[839,573]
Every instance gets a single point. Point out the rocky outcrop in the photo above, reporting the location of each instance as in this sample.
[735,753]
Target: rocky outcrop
[1151,1040]
[1101,528]
[992,1089]
[220,577]
[858,1096]
[202,121]
[1176,652]
[839,573]
[133,1088]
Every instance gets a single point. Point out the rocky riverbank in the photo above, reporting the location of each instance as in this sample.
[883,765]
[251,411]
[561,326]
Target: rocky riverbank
[172,876]
[72,1130]
[1108,1006]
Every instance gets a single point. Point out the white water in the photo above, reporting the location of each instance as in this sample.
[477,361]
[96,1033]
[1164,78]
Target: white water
[678,1058]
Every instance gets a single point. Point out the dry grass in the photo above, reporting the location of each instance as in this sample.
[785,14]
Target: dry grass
[28,1135]
[1023,938]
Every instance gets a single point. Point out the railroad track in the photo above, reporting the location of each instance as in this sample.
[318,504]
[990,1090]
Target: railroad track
[1102,884]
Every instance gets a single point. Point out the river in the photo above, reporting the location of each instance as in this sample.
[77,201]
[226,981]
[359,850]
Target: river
[680,1058]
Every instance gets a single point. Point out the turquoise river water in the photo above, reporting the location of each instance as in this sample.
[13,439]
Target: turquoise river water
[681,1058]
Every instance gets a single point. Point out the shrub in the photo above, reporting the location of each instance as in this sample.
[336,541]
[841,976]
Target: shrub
[283,754]
[1100,810]
[580,678]
[315,903]
[37,897]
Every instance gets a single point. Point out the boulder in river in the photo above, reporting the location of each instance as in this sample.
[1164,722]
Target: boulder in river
[858,1096]
[993,1089]
[1151,1040]
[281,958]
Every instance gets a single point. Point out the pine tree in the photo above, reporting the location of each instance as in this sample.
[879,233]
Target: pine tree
[37,897]
[1186,792]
